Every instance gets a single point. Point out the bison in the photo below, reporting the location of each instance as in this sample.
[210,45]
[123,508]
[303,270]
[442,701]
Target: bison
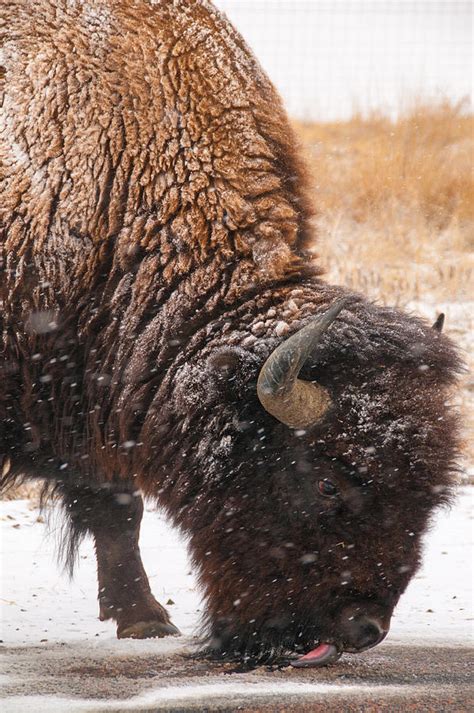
[165,332]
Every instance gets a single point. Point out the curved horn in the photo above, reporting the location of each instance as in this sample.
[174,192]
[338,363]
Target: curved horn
[439,324]
[297,403]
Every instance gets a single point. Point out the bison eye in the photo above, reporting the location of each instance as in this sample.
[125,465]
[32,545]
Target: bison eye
[327,489]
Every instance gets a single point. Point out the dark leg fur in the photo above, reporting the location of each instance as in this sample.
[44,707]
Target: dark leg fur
[113,516]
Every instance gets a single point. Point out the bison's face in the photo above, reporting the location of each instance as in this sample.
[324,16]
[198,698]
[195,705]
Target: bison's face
[317,555]
[320,530]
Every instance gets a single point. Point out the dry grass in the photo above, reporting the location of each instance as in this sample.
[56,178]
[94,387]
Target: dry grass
[395,219]
[396,201]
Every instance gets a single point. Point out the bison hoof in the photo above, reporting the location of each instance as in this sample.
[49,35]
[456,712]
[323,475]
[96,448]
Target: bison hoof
[147,630]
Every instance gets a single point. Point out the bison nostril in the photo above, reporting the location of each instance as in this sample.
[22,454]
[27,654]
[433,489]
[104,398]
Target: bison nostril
[369,634]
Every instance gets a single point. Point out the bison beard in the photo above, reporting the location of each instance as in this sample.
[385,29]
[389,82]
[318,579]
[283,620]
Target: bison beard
[164,332]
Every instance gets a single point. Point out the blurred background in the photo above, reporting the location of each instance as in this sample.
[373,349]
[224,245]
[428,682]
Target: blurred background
[380,93]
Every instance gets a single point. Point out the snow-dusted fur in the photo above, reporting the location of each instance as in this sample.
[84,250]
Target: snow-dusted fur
[154,232]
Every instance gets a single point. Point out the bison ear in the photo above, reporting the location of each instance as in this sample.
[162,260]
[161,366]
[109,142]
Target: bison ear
[224,362]
[223,368]
[438,325]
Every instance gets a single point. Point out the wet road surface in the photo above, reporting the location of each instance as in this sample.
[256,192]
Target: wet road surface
[390,678]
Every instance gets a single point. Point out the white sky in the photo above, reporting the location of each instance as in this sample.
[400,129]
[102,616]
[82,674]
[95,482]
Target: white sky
[329,57]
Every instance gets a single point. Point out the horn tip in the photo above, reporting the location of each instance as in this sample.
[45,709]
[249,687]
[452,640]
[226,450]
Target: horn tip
[339,304]
[333,311]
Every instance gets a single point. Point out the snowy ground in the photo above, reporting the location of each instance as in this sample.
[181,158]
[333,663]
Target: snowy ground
[55,649]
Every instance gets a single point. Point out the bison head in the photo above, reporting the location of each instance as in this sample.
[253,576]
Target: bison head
[313,479]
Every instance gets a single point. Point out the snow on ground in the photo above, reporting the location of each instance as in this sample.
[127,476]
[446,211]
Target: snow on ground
[438,604]
[198,695]
[41,604]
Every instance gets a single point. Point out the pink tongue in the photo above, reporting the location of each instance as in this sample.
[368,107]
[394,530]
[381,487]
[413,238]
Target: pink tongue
[322,655]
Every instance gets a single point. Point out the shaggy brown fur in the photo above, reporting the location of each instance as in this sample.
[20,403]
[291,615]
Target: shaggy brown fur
[154,230]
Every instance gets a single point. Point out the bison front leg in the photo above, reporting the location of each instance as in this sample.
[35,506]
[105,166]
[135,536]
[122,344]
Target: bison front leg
[113,516]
